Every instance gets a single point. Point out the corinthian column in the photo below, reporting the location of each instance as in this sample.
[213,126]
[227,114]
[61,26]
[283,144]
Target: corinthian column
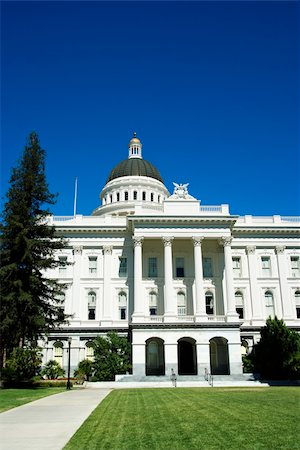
[199,303]
[257,314]
[107,252]
[287,309]
[231,312]
[170,306]
[138,300]
[77,252]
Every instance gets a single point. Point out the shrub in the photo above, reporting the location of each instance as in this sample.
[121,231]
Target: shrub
[22,365]
[85,370]
[53,370]
[112,356]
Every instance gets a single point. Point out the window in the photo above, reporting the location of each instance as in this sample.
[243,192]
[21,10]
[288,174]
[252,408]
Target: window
[123,267]
[92,264]
[58,352]
[151,196]
[152,267]
[266,266]
[134,195]
[239,304]
[122,305]
[179,267]
[236,265]
[153,304]
[91,306]
[269,304]
[207,268]
[89,351]
[297,301]
[118,196]
[158,199]
[62,268]
[181,304]
[126,195]
[111,198]
[144,196]
[209,303]
[295,266]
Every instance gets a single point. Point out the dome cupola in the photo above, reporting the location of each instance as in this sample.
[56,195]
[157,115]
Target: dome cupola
[135,147]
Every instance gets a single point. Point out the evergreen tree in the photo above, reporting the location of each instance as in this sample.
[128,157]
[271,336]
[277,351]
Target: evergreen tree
[30,304]
[277,354]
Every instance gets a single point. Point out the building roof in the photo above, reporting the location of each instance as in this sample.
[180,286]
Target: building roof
[134,167]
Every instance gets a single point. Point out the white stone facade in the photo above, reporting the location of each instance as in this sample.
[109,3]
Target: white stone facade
[190,284]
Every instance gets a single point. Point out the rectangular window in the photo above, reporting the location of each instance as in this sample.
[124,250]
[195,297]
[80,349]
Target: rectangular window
[123,313]
[295,266]
[236,265]
[266,266]
[62,268]
[123,267]
[298,312]
[153,311]
[207,268]
[92,264]
[152,267]
[240,312]
[179,267]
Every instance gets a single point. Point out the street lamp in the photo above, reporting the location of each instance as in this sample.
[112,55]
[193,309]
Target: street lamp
[69,363]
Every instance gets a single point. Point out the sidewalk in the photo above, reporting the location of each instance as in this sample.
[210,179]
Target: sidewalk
[48,423]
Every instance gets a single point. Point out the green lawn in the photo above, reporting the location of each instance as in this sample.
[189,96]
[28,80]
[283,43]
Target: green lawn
[10,398]
[192,418]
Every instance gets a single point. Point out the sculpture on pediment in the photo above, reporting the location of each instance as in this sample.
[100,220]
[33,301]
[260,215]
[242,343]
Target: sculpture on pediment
[180,190]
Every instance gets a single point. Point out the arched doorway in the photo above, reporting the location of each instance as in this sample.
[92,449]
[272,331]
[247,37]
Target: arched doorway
[155,357]
[219,358]
[187,357]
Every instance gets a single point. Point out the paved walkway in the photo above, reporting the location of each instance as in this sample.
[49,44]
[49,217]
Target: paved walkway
[48,423]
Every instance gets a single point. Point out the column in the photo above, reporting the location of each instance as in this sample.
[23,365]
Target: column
[138,312]
[169,299]
[288,311]
[231,312]
[107,254]
[257,312]
[77,252]
[200,301]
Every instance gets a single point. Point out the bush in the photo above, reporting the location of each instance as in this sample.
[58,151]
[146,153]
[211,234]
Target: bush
[53,370]
[85,370]
[22,365]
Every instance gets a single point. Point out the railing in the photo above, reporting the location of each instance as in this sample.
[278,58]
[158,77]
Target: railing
[290,219]
[216,318]
[211,208]
[157,319]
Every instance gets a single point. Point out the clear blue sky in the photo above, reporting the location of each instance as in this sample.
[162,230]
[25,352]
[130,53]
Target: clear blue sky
[212,89]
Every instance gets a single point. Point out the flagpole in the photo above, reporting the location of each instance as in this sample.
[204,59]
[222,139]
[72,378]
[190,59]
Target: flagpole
[75,196]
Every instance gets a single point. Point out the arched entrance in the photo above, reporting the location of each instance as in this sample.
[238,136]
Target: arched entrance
[187,357]
[219,358]
[155,357]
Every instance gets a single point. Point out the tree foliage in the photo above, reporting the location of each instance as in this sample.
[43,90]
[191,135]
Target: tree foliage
[22,365]
[30,304]
[53,370]
[112,356]
[277,354]
[85,369]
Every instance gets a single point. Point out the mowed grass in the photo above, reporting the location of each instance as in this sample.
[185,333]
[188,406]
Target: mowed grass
[10,398]
[192,418]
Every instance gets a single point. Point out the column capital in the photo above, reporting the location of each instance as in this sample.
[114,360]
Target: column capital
[77,250]
[280,249]
[137,241]
[250,249]
[167,240]
[197,240]
[225,241]
[107,249]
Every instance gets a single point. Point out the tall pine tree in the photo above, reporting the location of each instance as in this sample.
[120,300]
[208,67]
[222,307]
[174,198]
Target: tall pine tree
[30,304]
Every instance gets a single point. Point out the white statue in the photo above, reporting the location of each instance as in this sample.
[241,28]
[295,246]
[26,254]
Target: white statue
[180,190]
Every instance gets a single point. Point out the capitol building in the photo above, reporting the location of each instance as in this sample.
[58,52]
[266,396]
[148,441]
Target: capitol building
[190,284]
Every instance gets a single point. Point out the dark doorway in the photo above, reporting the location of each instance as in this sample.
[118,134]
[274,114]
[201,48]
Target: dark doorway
[187,358]
[155,357]
[219,358]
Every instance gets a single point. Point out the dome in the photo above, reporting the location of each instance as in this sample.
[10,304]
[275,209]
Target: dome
[134,167]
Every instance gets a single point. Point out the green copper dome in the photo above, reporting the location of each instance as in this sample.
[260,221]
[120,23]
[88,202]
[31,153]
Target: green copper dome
[134,167]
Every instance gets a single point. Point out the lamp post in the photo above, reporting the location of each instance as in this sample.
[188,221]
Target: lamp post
[69,363]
